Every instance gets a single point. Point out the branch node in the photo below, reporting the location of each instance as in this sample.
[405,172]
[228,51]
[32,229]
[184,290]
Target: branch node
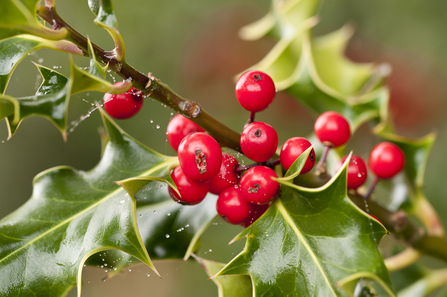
[400,219]
[192,108]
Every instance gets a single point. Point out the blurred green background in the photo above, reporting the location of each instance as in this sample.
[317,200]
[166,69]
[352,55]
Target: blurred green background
[193,46]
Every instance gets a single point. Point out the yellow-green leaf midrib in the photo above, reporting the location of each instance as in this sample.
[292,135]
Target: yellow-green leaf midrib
[301,238]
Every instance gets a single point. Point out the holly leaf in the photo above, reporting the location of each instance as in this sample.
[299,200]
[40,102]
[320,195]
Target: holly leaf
[365,284]
[315,72]
[228,285]
[19,16]
[50,101]
[14,49]
[417,153]
[288,252]
[284,18]
[95,67]
[106,18]
[52,98]
[73,215]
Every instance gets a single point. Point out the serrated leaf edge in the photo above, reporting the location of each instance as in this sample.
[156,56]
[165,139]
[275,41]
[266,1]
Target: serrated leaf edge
[363,274]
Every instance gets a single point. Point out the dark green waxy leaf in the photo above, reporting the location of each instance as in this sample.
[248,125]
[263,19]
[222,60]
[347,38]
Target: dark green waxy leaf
[52,98]
[169,230]
[417,153]
[106,18]
[308,241]
[15,49]
[19,16]
[227,285]
[73,214]
[50,101]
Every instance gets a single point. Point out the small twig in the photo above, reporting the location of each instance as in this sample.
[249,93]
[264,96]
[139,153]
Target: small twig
[155,89]
[371,187]
[321,166]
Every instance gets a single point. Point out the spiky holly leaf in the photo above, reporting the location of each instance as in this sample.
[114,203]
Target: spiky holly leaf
[308,241]
[227,285]
[15,49]
[52,98]
[417,153]
[106,18]
[314,70]
[285,18]
[19,16]
[169,230]
[304,67]
[73,214]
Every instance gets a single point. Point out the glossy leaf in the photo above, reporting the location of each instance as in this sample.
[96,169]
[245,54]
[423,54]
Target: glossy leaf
[19,16]
[308,241]
[15,49]
[296,166]
[106,18]
[50,101]
[169,230]
[73,214]
[417,153]
[52,98]
[227,285]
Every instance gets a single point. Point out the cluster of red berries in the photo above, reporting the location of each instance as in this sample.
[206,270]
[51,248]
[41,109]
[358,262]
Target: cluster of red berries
[242,199]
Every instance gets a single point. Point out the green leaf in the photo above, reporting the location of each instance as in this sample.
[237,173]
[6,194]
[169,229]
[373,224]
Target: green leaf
[424,286]
[50,101]
[19,16]
[285,18]
[308,241]
[169,230]
[52,98]
[365,284]
[227,285]
[105,18]
[95,67]
[15,49]
[296,166]
[417,153]
[73,214]
[314,71]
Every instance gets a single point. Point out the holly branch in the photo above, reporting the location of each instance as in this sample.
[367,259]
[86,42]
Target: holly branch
[396,222]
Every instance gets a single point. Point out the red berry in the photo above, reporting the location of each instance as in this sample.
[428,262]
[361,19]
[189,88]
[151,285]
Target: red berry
[178,127]
[255,90]
[200,156]
[357,171]
[292,149]
[259,141]
[257,186]
[125,105]
[386,160]
[232,207]
[256,214]
[191,192]
[332,129]
[227,176]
